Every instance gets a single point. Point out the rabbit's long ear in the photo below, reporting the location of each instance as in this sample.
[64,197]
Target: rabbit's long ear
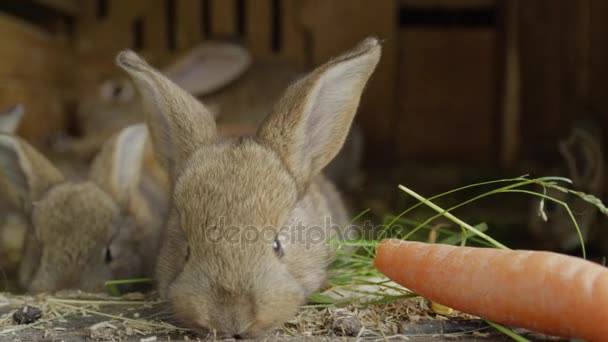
[309,124]
[25,174]
[584,158]
[178,123]
[209,67]
[11,118]
[118,166]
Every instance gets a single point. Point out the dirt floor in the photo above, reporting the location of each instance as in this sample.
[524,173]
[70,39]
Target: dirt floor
[76,316]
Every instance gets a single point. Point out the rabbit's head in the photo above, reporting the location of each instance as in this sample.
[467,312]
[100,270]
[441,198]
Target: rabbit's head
[81,233]
[202,70]
[582,154]
[224,264]
[10,119]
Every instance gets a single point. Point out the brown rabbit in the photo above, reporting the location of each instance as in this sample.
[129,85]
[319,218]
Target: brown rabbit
[82,233]
[584,165]
[106,107]
[240,94]
[12,223]
[214,274]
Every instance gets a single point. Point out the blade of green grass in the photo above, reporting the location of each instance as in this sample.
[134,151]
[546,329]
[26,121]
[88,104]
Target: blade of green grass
[507,332]
[111,284]
[453,218]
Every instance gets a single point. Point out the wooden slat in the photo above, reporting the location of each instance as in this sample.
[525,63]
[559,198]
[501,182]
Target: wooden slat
[188,23]
[115,31]
[293,50]
[71,7]
[510,137]
[449,3]
[597,71]
[35,71]
[553,91]
[223,18]
[541,73]
[155,28]
[598,61]
[258,28]
[338,25]
[447,95]
[29,53]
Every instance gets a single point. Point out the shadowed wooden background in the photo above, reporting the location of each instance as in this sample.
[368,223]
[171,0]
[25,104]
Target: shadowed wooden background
[483,81]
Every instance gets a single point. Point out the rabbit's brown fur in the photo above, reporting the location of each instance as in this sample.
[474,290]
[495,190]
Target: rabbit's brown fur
[269,184]
[83,233]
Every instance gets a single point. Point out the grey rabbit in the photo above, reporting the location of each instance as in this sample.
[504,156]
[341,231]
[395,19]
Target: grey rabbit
[12,223]
[82,233]
[267,184]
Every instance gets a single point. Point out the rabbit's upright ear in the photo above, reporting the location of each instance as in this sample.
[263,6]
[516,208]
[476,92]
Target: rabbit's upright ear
[11,118]
[584,158]
[178,122]
[209,67]
[118,166]
[25,174]
[309,124]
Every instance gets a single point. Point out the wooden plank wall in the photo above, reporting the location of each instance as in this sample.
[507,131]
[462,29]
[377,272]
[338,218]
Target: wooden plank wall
[309,33]
[564,68]
[448,83]
[100,37]
[439,93]
[34,72]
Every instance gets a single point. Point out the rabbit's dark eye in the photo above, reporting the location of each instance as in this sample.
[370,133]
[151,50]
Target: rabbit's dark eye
[117,90]
[108,256]
[278,249]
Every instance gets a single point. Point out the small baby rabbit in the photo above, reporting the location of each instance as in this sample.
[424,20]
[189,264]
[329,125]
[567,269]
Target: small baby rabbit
[246,237]
[106,107]
[83,233]
[584,164]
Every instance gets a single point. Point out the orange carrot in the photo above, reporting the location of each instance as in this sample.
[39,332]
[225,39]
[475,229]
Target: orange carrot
[542,291]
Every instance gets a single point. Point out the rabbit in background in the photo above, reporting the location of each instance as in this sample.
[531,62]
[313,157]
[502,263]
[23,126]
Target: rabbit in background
[12,223]
[82,233]
[266,183]
[583,157]
[239,94]
[108,106]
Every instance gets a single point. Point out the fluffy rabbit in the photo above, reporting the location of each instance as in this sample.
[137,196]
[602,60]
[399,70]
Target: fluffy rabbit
[11,221]
[584,165]
[113,104]
[83,233]
[240,94]
[212,271]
